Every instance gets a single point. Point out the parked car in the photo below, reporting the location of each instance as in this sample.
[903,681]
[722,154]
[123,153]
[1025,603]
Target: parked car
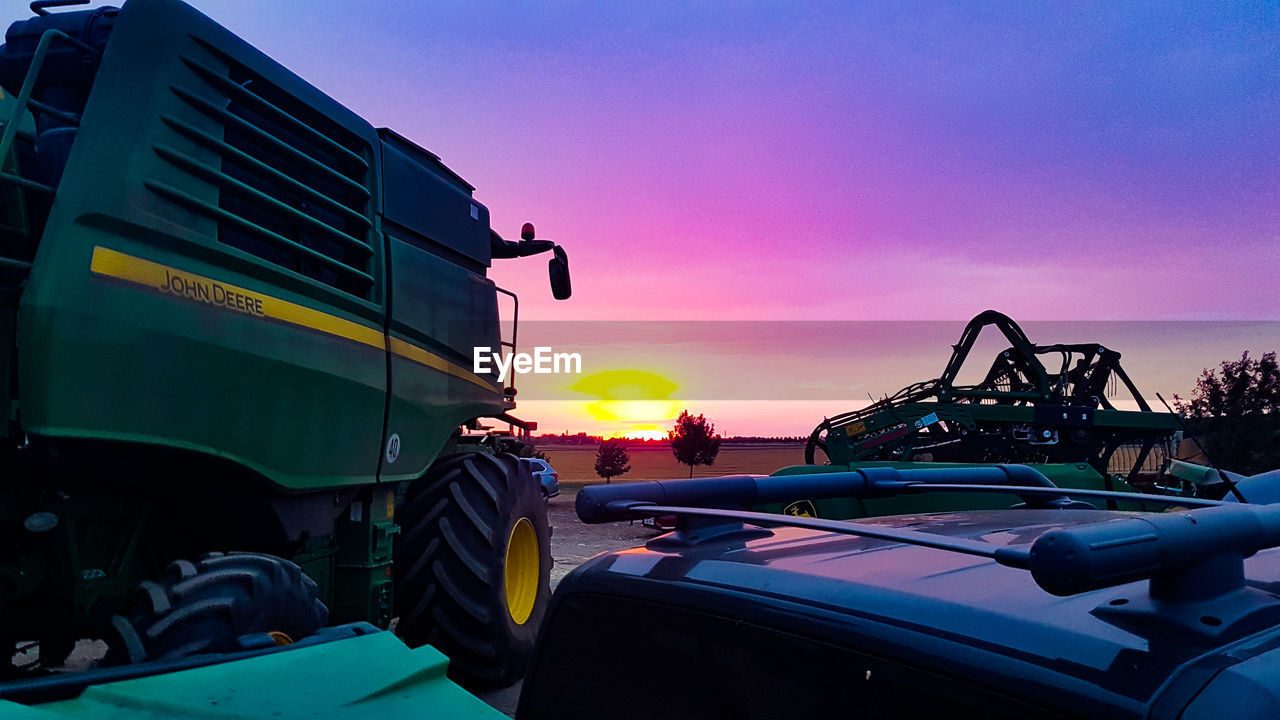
[547,476]
[1050,610]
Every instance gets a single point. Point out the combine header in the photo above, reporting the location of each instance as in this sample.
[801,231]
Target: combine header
[1022,411]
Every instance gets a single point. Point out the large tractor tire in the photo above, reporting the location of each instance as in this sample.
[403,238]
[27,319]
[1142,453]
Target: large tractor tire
[208,605]
[473,565]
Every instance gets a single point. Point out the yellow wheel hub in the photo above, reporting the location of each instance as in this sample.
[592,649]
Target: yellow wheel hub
[523,571]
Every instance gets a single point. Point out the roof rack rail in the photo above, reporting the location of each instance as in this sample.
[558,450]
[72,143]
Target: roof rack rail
[1190,557]
[606,503]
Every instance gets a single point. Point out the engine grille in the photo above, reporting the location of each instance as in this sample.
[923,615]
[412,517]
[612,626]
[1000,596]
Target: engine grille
[293,184]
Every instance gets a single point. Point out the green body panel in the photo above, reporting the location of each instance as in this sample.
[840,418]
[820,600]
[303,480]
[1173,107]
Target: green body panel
[363,589]
[372,676]
[449,310]
[105,357]
[1065,475]
[300,409]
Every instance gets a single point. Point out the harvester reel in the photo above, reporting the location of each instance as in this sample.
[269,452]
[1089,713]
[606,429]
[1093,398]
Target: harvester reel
[473,565]
[207,606]
[1022,410]
[817,441]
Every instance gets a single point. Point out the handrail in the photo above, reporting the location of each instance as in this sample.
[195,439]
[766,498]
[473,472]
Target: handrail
[515,326]
[40,7]
[29,84]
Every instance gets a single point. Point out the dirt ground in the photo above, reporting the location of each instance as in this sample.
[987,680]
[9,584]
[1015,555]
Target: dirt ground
[576,463]
[573,542]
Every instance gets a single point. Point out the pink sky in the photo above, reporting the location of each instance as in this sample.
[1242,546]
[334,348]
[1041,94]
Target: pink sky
[781,378]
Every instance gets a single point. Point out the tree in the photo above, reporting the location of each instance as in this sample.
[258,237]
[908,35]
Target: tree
[1236,411]
[612,459]
[694,441]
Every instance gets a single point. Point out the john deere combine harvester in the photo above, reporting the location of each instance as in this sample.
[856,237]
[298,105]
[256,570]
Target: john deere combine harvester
[236,318]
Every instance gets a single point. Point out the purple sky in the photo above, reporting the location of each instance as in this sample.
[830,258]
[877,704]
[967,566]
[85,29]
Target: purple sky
[837,161]
[779,160]
[841,160]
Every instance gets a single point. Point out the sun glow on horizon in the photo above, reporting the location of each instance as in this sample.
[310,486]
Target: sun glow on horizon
[637,400]
[645,435]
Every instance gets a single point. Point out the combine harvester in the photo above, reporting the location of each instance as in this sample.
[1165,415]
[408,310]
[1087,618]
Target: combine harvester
[236,331]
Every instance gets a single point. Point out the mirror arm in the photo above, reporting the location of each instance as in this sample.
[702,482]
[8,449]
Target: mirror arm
[503,249]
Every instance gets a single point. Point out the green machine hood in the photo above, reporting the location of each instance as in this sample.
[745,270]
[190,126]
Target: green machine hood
[372,675]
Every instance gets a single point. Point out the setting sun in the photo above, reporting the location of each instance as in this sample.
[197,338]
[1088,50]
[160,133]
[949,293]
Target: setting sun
[637,402]
[646,435]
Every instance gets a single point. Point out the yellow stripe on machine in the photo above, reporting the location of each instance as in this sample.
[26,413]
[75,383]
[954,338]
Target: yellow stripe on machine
[413,352]
[197,288]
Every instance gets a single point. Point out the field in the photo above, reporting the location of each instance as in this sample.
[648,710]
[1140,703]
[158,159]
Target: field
[576,463]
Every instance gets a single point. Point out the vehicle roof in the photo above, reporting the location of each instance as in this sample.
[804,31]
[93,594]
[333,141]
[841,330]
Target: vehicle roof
[922,604]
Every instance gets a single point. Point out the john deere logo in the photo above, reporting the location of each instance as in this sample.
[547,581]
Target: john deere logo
[212,293]
[801,508]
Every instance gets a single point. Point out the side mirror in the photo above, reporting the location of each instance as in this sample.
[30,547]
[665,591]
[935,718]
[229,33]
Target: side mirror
[558,269]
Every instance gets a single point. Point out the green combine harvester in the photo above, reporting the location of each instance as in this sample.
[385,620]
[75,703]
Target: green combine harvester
[236,332]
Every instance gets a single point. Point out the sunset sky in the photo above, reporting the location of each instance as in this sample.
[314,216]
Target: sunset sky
[839,161]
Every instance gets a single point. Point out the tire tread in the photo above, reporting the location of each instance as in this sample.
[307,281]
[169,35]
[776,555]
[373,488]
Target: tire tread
[461,513]
[209,604]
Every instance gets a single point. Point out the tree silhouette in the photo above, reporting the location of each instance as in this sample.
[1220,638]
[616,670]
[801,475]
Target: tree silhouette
[612,459]
[1236,410]
[694,441]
